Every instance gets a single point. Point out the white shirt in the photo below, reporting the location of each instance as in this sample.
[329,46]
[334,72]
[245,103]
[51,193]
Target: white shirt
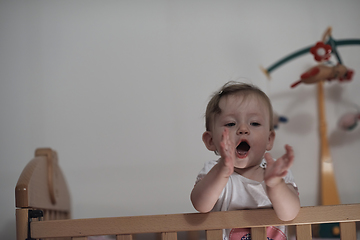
[243,193]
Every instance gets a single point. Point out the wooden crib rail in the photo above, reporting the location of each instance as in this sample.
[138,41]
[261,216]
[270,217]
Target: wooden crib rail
[169,225]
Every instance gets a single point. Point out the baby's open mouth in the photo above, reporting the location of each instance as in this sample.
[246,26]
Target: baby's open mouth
[242,149]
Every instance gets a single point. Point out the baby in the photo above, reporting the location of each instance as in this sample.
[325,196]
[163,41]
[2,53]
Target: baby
[239,128]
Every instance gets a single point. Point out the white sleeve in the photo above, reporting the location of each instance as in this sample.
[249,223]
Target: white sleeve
[289,179]
[207,167]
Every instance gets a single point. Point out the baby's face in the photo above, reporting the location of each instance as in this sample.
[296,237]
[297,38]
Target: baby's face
[248,122]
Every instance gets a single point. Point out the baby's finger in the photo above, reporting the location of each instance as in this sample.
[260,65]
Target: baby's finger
[289,151]
[225,137]
[283,174]
[226,144]
[288,156]
[224,151]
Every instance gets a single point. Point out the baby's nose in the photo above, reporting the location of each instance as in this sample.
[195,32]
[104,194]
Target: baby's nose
[243,129]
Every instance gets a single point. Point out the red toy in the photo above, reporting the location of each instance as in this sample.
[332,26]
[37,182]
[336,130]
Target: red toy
[323,72]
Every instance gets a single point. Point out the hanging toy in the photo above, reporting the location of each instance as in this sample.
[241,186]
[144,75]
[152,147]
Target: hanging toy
[278,119]
[321,52]
[349,121]
[322,72]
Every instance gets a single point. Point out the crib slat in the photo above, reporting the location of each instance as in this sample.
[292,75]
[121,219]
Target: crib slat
[79,238]
[193,235]
[303,232]
[258,233]
[21,224]
[124,237]
[348,231]
[169,236]
[214,234]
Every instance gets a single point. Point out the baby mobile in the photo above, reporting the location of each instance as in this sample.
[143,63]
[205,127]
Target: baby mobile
[325,70]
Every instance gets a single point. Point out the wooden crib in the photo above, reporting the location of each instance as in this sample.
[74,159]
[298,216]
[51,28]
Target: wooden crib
[44,211]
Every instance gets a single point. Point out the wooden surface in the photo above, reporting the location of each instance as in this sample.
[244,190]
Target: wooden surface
[304,232]
[348,231]
[191,222]
[258,233]
[168,236]
[329,193]
[214,234]
[124,237]
[41,185]
[21,224]
[37,189]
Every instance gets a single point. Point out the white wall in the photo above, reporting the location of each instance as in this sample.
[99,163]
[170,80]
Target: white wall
[119,89]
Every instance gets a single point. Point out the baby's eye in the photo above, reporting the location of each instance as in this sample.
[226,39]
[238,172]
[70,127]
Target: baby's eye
[255,124]
[229,124]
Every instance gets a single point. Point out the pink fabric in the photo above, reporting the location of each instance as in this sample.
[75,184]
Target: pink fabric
[272,233]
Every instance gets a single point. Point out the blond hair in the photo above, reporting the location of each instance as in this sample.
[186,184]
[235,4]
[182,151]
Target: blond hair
[232,88]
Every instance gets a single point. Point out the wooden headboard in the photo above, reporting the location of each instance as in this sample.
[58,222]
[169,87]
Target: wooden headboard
[41,186]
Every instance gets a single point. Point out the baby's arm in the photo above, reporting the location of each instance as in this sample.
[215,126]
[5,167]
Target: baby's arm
[284,197]
[206,192]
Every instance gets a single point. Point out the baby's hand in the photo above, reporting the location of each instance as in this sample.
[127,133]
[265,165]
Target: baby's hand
[278,169]
[227,153]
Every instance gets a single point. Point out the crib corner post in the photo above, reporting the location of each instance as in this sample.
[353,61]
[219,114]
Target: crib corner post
[23,218]
[21,224]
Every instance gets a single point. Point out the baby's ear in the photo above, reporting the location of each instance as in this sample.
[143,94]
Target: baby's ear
[208,141]
[271,140]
